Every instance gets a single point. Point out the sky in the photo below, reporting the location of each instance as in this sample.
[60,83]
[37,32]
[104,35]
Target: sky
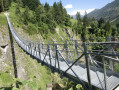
[74,6]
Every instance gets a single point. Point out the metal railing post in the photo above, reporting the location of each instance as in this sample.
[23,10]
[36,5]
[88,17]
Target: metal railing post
[57,58]
[39,47]
[67,51]
[87,65]
[49,49]
[110,61]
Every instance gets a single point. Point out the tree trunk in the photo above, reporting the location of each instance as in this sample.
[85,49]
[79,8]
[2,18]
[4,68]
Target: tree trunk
[2,6]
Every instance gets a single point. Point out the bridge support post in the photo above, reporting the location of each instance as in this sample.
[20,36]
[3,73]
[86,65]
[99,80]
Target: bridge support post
[76,47]
[87,66]
[104,68]
[39,47]
[110,61]
[49,49]
[57,58]
[67,51]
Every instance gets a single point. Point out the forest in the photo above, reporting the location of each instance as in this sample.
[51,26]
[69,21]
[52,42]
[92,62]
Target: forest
[47,17]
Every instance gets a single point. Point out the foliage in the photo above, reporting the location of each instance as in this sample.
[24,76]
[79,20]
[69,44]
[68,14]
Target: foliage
[85,20]
[3,20]
[116,67]
[4,5]
[26,16]
[32,4]
[6,79]
[78,86]
[44,17]
[18,10]
[32,29]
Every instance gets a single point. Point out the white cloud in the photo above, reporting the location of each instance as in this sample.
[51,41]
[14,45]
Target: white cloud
[82,12]
[68,6]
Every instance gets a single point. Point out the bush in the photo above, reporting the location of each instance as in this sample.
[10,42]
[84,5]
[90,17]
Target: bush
[32,29]
[18,12]
[43,28]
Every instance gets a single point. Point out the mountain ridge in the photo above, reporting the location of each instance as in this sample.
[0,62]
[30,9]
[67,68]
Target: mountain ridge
[109,12]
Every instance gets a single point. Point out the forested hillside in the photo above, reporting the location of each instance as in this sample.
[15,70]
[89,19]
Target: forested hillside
[31,25]
[109,12]
[35,21]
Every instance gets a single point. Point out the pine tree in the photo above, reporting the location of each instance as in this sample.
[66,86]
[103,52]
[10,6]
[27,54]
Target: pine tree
[114,30]
[47,7]
[26,15]
[101,22]
[117,25]
[40,14]
[32,4]
[85,20]
[108,28]
[94,26]
[78,17]
[18,12]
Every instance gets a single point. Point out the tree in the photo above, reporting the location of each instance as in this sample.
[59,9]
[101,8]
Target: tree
[85,20]
[114,30]
[18,12]
[2,5]
[47,7]
[84,34]
[26,15]
[94,26]
[117,25]
[78,17]
[60,14]
[108,28]
[101,22]
[32,4]
[40,14]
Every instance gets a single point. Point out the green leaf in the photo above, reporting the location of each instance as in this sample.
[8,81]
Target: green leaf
[78,86]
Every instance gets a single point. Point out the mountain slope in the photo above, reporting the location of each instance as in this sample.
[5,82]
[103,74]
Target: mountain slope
[109,12]
[31,75]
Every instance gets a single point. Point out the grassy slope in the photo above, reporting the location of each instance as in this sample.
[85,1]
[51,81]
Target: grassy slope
[31,75]
[6,69]
[20,28]
[29,71]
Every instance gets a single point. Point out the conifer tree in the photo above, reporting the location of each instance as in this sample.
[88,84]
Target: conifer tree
[47,7]
[78,17]
[85,20]
[108,28]
[117,25]
[26,15]
[101,22]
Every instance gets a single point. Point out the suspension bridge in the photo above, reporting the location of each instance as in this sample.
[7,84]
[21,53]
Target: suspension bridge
[75,60]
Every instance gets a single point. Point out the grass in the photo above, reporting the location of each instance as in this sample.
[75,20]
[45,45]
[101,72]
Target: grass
[6,80]
[3,20]
[73,21]
[37,75]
